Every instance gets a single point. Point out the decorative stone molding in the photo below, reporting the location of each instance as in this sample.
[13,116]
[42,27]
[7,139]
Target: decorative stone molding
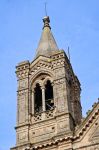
[40,82]
[46,79]
[72,138]
[58,55]
[58,63]
[34,77]
[40,65]
[22,70]
[39,116]
[87,122]
[22,92]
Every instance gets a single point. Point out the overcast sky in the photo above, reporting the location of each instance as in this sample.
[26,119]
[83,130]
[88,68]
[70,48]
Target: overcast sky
[74,23]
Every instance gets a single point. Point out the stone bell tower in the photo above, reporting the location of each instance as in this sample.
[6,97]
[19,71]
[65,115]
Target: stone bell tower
[48,95]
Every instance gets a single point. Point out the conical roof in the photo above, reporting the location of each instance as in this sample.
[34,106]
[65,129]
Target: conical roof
[47,44]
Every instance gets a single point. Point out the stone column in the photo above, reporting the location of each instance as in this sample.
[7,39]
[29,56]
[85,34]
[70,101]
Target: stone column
[32,102]
[43,99]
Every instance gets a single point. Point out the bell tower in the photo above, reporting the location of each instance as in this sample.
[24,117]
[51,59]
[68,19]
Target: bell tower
[48,95]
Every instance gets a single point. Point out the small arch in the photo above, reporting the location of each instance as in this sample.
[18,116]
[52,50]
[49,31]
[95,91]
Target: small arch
[47,79]
[37,82]
[37,99]
[49,99]
[39,73]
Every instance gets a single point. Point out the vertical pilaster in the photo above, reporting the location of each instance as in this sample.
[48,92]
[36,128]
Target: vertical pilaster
[32,102]
[22,71]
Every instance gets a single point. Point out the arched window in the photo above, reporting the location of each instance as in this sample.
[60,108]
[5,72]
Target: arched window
[49,102]
[38,98]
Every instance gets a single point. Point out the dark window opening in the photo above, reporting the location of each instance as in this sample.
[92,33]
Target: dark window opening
[38,99]
[49,96]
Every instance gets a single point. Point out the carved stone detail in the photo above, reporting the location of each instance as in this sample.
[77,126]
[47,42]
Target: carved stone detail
[61,126]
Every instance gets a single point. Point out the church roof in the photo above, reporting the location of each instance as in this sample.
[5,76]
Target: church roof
[82,128]
[47,44]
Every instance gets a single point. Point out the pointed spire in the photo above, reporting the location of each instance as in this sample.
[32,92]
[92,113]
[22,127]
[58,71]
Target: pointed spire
[47,45]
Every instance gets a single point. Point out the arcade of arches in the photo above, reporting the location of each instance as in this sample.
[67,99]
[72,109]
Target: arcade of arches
[42,96]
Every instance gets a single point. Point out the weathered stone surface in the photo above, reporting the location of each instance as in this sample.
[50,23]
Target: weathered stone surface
[61,126]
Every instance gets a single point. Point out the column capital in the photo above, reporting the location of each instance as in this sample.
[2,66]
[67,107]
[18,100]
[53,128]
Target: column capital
[52,83]
[32,91]
[43,87]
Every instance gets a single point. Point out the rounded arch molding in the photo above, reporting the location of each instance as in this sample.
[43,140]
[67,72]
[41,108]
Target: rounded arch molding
[35,78]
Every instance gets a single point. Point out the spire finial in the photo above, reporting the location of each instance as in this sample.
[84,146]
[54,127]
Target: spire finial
[46,8]
[46,21]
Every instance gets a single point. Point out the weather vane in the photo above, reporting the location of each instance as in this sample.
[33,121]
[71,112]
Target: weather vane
[46,8]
